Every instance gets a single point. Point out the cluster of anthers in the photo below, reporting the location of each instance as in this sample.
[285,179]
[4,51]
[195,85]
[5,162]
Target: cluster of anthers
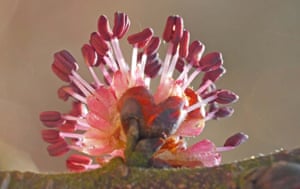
[119,114]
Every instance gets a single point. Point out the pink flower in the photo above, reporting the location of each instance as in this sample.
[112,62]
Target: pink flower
[95,126]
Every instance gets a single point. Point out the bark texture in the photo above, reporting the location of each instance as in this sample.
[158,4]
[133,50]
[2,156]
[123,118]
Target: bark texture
[276,170]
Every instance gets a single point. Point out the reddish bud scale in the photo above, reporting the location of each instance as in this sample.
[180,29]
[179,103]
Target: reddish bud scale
[141,39]
[99,44]
[104,28]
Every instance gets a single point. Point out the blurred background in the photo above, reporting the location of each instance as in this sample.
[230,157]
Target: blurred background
[260,42]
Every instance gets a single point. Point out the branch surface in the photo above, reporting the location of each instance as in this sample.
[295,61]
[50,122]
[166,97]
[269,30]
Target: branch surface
[276,170]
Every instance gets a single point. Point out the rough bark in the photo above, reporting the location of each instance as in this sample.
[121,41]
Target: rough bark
[277,170]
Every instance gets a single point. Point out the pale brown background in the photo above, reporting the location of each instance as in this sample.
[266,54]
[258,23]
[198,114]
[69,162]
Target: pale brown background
[259,40]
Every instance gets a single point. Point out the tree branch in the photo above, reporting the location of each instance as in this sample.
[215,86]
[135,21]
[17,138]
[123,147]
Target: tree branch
[277,170]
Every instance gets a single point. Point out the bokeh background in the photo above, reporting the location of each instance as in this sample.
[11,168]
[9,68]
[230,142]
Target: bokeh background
[260,42]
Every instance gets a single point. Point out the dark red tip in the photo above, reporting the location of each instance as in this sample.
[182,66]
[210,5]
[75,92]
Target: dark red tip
[211,61]
[79,159]
[104,28]
[236,140]
[121,25]
[51,136]
[226,97]
[224,112]
[62,94]
[77,109]
[65,62]
[89,55]
[77,163]
[196,49]
[68,126]
[178,32]
[184,44]
[214,75]
[180,64]
[58,149]
[168,32]
[142,38]
[152,46]
[51,118]
[152,68]
[60,74]
[99,44]
[173,30]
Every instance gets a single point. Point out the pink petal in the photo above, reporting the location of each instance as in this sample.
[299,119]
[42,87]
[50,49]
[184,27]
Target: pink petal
[119,83]
[191,127]
[202,147]
[98,123]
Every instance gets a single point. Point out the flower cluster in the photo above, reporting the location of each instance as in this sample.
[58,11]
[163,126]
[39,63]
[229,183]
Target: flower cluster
[95,126]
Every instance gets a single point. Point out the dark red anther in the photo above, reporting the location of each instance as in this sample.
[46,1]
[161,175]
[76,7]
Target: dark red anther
[68,126]
[211,61]
[180,64]
[79,159]
[77,109]
[121,25]
[65,61]
[51,136]
[168,32]
[152,68]
[77,163]
[104,28]
[58,149]
[89,55]
[196,49]
[62,94]
[214,75]
[237,139]
[60,74]
[173,29]
[178,32]
[99,44]
[152,46]
[223,112]
[51,118]
[142,38]
[226,97]
[184,44]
